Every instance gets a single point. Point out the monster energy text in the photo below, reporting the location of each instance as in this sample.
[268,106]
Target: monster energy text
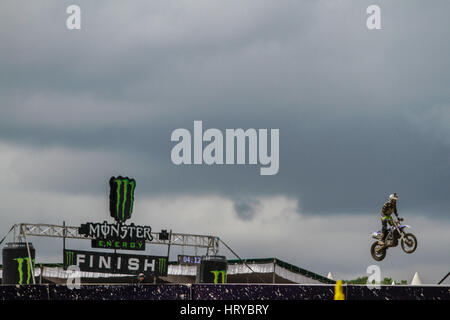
[116,231]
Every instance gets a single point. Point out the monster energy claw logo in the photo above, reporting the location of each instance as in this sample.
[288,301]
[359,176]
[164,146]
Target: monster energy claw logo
[162,266]
[69,258]
[20,268]
[121,197]
[216,273]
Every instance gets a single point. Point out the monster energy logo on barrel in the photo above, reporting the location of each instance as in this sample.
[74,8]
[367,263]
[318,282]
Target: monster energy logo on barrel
[121,198]
[20,268]
[222,273]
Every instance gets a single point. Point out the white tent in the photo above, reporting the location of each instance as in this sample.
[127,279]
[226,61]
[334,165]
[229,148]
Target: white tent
[416,280]
[330,276]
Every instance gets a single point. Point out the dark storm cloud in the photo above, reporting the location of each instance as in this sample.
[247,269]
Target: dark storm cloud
[246,208]
[360,112]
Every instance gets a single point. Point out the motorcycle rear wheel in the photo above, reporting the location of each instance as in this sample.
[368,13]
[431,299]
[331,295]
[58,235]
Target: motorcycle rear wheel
[409,243]
[377,252]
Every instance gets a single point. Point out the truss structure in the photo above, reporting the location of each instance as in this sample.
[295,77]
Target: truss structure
[24,230]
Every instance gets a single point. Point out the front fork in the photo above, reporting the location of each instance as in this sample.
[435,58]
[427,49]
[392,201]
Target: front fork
[402,236]
[400,232]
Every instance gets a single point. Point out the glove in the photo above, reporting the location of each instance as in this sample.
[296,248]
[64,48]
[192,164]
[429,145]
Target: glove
[400,219]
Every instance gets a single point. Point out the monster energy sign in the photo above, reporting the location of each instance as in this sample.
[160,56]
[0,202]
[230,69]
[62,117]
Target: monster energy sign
[116,263]
[121,198]
[118,235]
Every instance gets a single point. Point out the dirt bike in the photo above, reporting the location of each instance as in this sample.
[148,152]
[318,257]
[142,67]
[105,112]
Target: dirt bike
[395,232]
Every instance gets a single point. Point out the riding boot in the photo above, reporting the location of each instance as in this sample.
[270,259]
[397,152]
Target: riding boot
[383,238]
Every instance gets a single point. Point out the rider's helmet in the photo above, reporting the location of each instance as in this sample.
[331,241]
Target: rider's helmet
[393,197]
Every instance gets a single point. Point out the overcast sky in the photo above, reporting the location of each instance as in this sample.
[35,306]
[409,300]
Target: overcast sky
[361,114]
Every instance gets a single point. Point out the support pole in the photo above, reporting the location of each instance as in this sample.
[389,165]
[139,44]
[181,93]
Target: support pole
[274,266]
[1,241]
[168,246]
[231,250]
[443,279]
[64,236]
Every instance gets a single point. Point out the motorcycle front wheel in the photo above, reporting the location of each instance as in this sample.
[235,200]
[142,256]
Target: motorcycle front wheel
[377,251]
[409,243]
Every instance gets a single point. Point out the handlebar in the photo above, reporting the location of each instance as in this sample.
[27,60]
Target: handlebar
[398,220]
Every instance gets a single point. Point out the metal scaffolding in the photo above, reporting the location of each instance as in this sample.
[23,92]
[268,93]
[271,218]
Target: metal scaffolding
[24,230]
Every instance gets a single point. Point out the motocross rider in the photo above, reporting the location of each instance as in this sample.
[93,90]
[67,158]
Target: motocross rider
[388,208]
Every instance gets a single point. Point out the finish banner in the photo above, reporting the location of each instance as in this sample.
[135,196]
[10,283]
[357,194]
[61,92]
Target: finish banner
[115,262]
